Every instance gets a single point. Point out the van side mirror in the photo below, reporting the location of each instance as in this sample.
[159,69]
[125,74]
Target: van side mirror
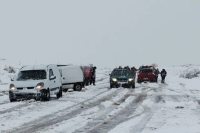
[52,77]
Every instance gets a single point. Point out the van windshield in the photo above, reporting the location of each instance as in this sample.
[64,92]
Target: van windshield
[31,75]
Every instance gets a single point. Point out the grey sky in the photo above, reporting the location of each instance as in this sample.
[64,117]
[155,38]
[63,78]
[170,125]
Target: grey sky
[107,33]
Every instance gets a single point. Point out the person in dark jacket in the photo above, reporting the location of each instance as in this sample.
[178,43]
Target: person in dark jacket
[163,74]
[93,75]
[127,67]
[156,74]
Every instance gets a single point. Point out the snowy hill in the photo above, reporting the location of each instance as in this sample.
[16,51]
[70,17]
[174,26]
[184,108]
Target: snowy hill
[7,71]
[185,71]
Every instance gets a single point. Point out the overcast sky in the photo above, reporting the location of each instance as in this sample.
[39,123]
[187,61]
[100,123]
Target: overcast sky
[106,33]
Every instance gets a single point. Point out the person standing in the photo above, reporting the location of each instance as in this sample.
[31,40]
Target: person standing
[163,75]
[156,74]
[93,75]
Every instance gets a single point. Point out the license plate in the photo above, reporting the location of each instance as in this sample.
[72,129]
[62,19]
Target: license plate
[145,78]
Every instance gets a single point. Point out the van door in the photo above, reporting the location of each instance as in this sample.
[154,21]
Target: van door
[52,82]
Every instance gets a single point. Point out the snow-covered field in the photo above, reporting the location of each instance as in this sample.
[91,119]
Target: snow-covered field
[172,107]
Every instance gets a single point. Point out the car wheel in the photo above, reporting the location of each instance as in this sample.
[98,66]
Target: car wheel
[61,92]
[12,100]
[47,95]
[111,86]
[65,90]
[133,86]
[58,95]
[77,87]
[116,86]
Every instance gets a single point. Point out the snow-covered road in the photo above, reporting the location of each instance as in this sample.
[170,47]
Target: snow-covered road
[150,107]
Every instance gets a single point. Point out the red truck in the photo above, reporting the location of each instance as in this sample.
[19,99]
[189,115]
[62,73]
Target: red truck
[146,74]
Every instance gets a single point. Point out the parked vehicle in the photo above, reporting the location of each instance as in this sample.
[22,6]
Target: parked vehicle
[122,77]
[88,73]
[71,77]
[36,82]
[143,67]
[146,74]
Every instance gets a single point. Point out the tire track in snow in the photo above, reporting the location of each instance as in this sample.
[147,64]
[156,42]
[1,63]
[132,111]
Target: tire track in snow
[15,108]
[103,116]
[122,115]
[52,119]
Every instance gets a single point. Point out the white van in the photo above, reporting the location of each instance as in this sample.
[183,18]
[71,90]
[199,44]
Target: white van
[36,82]
[71,77]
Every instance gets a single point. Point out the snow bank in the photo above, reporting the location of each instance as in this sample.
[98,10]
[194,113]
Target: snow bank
[8,70]
[185,71]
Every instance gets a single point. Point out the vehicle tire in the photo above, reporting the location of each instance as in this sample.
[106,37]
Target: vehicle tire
[111,86]
[116,86]
[77,87]
[47,95]
[59,94]
[133,85]
[12,100]
[65,90]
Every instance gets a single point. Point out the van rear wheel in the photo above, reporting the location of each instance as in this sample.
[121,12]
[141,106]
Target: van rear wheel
[77,87]
[59,94]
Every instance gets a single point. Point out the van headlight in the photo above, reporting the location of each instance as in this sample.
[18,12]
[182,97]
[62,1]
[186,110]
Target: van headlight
[39,85]
[12,87]
[130,79]
[114,79]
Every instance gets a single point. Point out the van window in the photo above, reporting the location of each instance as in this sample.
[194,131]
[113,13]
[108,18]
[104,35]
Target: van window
[31,75]
[50,73]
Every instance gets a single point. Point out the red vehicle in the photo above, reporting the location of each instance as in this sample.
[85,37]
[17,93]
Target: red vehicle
[87,72]
[146,74]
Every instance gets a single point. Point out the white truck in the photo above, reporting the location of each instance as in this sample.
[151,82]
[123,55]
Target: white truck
[71,77]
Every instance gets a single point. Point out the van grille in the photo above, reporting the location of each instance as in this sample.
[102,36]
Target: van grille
[30,87]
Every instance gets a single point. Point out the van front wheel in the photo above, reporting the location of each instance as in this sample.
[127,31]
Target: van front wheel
[77,87]
[48,95]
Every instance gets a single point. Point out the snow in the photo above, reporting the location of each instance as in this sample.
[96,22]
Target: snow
[153,107]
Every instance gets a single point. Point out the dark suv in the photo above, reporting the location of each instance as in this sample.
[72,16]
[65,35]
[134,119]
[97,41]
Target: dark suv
[122,77]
